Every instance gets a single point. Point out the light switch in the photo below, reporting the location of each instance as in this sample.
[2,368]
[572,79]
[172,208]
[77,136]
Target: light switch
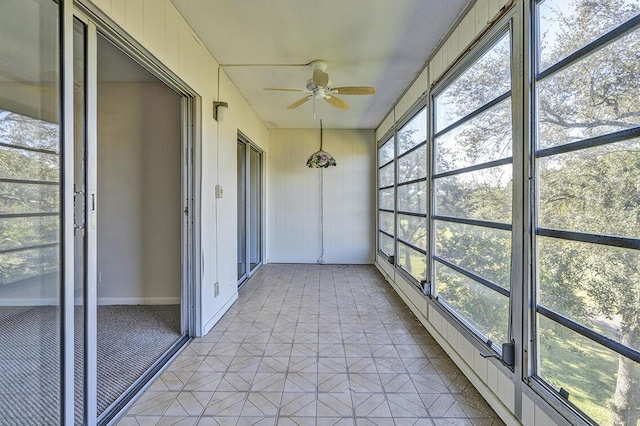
[219,191]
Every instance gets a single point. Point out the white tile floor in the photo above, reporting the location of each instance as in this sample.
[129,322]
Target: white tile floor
[313,345]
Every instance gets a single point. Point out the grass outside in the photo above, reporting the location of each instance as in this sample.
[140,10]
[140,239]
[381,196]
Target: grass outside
[415,263]
[585,369]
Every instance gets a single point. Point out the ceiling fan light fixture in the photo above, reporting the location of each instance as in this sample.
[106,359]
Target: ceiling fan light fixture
[321,159]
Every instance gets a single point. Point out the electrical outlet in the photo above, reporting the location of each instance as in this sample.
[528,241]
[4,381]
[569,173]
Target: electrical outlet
[216,289]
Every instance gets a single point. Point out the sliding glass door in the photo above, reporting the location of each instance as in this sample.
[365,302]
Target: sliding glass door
[30,213]
[249,209]
[255,212]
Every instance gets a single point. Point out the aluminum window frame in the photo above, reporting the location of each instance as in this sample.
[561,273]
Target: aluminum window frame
[531,371]
[388,137]
[411,114]
[506,25]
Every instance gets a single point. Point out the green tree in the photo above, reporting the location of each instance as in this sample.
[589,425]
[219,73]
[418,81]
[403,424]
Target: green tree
[594,190]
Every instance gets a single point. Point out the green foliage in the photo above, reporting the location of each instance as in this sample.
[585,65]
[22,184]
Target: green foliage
[26,198]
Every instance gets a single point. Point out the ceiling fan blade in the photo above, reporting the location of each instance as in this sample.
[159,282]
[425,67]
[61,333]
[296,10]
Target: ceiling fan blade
[320,78]
[336,102]
[284,90]
[299,102]
[354,90]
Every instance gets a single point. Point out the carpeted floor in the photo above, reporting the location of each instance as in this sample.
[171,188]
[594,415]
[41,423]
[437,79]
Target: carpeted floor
[130,339]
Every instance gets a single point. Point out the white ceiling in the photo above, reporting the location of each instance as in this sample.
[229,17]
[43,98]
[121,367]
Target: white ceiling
[378,43]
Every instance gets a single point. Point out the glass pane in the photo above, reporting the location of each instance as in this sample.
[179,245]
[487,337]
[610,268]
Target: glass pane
[412,198]
[20,232]
[593,97]
[483,195]
[27,165]
[413,166]
[242,210]
[32,264]
[413,230]
[484,309]
[412,261]
[593,190]
[588,371]
[30,279]
[79,240]
[565,26]
[488,78]
[413,133]
[594,285]
[386,152]
[255,215]
[385,198]
[21,198]
[386,175]
[386,244]
[485,252]
[30,131]
[484,138]
[387,222]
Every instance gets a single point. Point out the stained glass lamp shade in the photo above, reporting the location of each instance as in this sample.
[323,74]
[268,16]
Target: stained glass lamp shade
[321,159]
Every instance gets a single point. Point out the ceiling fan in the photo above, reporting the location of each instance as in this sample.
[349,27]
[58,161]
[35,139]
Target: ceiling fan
[320,87]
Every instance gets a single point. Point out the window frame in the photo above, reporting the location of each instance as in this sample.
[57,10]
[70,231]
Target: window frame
[388,137]
[531,368]
[411,114]
[507,24]
[43,183]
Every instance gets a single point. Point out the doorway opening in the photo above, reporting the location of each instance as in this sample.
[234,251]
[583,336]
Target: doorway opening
[250,208]
[139,231]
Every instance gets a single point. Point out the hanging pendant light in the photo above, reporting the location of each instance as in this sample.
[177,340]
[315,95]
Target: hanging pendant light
[321,159]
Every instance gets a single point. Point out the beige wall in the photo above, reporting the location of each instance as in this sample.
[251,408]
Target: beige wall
[293,208]
[139,208]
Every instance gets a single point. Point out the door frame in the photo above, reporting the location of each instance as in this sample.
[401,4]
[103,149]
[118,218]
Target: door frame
[96,22]
[249,145]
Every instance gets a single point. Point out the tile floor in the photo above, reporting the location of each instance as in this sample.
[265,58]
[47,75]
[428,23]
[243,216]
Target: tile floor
[313,345]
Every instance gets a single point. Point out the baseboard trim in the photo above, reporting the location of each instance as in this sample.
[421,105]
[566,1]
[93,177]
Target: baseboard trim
[216,317]
[138,300]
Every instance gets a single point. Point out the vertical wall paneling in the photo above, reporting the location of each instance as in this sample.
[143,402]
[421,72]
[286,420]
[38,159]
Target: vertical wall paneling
[467,30]
[413,93]
[135,19]
[482,14]
[172,36]
[348,210]
[436,67]
[293,208]
[452,46]
[104,5]
[154,27]
[184,33]
[384,127]
[506,391]
[528,411]
[494,7]
[119,12]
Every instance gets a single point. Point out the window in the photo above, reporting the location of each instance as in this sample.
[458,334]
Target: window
[29,206]
[386,198]
[412,197]
[472,184]
[587,205]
